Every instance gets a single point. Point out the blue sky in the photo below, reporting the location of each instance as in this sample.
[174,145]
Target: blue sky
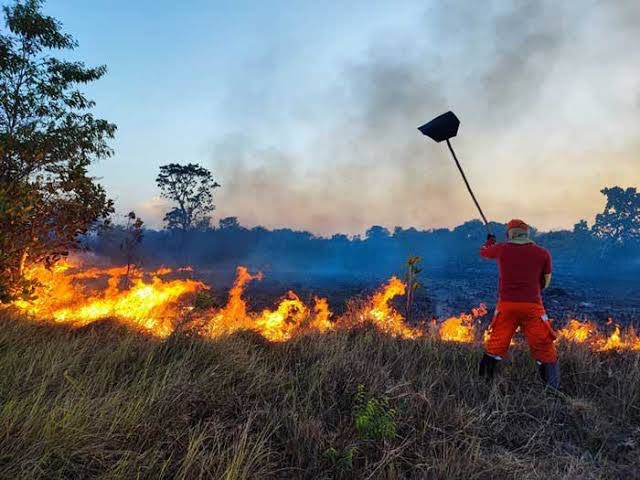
[306,111]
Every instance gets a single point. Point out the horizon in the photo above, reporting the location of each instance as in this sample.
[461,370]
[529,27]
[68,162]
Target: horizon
[118,220]
[330,145]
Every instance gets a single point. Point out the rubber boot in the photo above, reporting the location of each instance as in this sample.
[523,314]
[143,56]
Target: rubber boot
[550,374]
[488,366]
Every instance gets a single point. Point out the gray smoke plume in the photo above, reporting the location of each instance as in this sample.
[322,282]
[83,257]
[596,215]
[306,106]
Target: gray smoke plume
[548,94]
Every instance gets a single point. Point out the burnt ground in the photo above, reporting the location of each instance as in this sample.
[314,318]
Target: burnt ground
[444,294]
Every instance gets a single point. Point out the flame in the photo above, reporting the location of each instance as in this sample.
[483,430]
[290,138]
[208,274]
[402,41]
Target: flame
[289,318]
[480,311]
[321,321]
[233,316]
[72,294]
[578,332]
[282,323]
[384,316]
[614,342]
[587,332]
[148,303]
[462,329]
[292,317]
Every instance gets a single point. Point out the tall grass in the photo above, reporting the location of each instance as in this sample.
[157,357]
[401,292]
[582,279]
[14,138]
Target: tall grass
[105,402]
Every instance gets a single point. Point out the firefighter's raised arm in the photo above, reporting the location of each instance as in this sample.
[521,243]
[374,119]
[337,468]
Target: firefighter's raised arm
[490,248]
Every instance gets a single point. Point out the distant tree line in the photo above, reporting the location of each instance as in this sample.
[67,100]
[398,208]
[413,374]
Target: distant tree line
[611,246]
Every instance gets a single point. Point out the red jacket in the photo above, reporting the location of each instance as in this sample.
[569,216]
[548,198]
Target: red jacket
[522,269]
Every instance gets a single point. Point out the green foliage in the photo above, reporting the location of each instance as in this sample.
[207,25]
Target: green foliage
[48,139]
[191,188]
[375,419]
[341,460]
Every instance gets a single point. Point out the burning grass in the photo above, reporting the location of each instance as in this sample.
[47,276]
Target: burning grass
[159,302]
[590,334]
[106,401]
[139,299]
[151,303]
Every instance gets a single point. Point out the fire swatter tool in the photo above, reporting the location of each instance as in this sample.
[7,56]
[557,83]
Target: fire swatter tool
[444,127]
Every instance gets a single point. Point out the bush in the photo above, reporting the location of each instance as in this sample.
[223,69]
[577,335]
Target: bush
[375,420]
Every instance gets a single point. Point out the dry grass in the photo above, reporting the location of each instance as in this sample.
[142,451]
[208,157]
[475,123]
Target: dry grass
[107,403]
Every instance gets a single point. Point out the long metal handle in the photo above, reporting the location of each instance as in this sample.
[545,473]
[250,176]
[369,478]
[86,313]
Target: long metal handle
[464,177]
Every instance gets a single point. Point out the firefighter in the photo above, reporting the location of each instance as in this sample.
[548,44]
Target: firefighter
[525,270]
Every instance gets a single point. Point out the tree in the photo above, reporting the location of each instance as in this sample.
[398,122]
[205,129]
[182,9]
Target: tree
[376,232]
[191,188]
[229,223]
[471,230]
[581,228]
[48,139]
[131,241]
[620,220]
[121,243]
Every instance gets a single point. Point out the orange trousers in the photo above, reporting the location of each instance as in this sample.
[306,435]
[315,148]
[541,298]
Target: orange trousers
[531,317]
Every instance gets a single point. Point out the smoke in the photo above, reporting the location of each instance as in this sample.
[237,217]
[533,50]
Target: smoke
[547,93]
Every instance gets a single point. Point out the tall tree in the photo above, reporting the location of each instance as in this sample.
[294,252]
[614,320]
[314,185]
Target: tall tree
[48,139]
[191,188]
[620,220]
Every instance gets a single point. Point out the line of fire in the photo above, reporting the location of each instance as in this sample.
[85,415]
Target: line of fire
[160,302]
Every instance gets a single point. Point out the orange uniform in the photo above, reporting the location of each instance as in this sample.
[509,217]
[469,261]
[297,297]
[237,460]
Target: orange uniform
[525,269]
[532,318]
[522,269]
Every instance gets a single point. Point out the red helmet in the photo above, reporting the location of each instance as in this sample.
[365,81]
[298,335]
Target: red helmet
[517,223]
